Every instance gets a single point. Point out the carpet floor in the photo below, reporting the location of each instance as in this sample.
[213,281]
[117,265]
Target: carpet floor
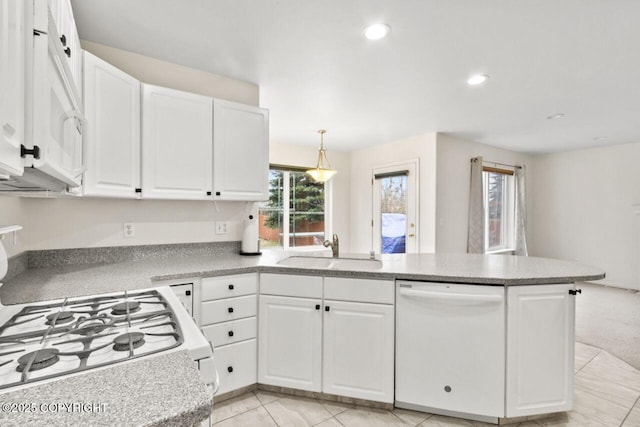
[609,318]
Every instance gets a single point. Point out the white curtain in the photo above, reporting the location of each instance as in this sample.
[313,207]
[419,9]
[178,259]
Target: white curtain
[475,229]
[520,212]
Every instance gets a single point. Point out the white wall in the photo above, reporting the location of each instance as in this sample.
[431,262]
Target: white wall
[453,175]
[162,73]
[421,147]
[306,156]
[584,210]
[92,222]
[13,212]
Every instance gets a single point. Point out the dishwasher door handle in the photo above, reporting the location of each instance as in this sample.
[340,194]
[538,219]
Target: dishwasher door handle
[450,296]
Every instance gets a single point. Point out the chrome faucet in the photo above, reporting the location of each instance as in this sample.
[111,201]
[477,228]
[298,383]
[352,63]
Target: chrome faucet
[335,245]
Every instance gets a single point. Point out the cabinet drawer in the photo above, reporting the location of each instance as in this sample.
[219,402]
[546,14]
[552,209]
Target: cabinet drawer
[225,310]
[237,365]
[229,286]
[359,290]
[291,285]
[230,332]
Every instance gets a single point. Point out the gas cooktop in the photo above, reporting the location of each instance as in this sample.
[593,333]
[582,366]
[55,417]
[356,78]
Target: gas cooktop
[48,340]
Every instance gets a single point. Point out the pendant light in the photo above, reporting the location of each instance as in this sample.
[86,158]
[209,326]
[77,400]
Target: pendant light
[322,172]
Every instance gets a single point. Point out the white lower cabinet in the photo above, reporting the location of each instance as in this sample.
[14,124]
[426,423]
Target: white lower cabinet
[236,365]
[228,319]
[357,357]
[290,344]
[327,345]
[540,349]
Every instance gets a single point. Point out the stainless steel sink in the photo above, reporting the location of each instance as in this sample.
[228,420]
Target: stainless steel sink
[306,261]
[331,263]
[355,264]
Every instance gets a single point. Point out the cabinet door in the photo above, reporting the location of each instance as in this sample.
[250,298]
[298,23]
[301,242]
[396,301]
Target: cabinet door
[540,345]
[236,365]
[450,346]
[70,41]
[12,75]
[290,342]
[176,144]
[358,350]
[57,116]
[112,133]
[240,151]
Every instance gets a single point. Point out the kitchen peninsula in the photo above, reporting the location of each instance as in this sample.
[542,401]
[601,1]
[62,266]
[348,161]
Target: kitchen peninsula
[508,286]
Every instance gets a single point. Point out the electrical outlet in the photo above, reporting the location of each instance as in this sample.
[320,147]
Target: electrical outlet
[129,230]
[222,227]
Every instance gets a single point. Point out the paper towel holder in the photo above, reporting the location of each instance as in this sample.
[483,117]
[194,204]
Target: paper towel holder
[251,253]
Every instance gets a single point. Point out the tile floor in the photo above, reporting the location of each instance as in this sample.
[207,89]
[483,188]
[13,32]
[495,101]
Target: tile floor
[606,393]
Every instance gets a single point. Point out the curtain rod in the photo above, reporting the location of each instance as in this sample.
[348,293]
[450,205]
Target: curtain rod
[498,163]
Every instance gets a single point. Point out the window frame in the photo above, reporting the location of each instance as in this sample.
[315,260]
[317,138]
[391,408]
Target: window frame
[508,210]
[286,209]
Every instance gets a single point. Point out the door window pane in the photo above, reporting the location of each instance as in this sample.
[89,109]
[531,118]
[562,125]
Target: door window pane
[393,211]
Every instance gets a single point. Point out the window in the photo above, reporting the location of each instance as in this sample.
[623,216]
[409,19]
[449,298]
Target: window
[294,215]
[499,205]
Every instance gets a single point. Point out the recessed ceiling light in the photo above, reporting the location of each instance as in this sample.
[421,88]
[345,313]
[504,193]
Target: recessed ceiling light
[555,116]
[600,138]
[376,31]
[477,79]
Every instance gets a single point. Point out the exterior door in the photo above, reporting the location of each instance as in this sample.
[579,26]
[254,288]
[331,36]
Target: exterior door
[290,345]
[395,208]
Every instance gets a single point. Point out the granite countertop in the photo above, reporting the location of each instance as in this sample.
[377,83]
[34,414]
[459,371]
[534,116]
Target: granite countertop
[164,390]
[40,284]
[167,388]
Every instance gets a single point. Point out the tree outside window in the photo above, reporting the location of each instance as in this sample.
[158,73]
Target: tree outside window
[298,201]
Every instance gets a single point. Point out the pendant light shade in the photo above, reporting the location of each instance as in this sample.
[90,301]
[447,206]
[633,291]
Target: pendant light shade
[322,172]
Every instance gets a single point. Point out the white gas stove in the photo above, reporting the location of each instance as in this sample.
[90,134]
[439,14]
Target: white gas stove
[49,340]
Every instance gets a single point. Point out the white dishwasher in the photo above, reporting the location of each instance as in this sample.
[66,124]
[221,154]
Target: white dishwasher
[450,349]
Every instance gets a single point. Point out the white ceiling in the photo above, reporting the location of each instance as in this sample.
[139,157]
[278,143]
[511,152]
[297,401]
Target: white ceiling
[316,70]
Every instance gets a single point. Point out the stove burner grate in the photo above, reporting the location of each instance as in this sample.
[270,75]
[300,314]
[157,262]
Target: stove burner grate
[121,342]
[39,359]
[125,307]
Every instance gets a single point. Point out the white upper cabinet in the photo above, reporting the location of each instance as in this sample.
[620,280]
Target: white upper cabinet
[57,115]
[12,79]
[112,132]
[63,19]
[240,152]
[177,134]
